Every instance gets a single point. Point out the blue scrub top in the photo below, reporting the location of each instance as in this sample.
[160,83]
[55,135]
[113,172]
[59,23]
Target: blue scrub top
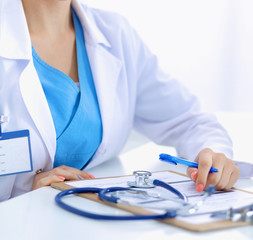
[75,113]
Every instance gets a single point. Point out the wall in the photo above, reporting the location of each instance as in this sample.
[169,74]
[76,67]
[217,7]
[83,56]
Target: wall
[205,44]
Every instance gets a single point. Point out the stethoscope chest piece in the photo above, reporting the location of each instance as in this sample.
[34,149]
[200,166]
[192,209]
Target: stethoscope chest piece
[141,180]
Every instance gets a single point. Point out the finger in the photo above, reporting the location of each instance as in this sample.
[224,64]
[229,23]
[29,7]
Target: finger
[91,176]
[227,175]
[47,181]
[70,173]
[80,174]
[226,171]
[192,173]
[233,178]
[204,165]
[61,171]
[224,180]
[85,175]
[219,161]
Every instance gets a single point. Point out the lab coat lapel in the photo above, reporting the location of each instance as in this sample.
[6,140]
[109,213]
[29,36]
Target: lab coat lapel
[105,69]
[36,103]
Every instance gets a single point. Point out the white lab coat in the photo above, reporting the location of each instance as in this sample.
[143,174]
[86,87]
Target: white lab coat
[132,92]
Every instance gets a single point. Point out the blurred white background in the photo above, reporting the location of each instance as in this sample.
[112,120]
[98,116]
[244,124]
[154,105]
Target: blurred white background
[207,45]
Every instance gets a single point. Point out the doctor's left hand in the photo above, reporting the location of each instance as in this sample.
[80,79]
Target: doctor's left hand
[222,180]
[59,174]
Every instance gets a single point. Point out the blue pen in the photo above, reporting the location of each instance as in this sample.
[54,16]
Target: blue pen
[174,160]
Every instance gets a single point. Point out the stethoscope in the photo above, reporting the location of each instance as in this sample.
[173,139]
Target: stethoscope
[142,181]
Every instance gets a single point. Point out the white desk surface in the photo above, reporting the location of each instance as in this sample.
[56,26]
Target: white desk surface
[35,215]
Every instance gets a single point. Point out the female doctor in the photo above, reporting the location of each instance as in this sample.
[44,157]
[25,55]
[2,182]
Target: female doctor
[79,79]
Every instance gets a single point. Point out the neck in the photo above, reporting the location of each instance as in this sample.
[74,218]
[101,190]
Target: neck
[50,17]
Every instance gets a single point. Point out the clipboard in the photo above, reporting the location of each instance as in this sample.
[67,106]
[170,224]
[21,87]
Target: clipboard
[202,227]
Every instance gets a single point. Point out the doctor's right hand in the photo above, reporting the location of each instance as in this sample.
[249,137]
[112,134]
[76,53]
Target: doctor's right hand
[59,174]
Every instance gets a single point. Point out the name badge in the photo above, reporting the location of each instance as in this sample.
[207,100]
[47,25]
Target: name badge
[15,152]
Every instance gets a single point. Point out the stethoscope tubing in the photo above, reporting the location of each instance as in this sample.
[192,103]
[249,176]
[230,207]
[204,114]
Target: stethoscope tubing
[101,192]
[162,184]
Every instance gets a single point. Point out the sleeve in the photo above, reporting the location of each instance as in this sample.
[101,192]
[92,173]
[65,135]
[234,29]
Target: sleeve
[167,113]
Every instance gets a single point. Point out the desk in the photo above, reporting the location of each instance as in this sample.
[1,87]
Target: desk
[35,216]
